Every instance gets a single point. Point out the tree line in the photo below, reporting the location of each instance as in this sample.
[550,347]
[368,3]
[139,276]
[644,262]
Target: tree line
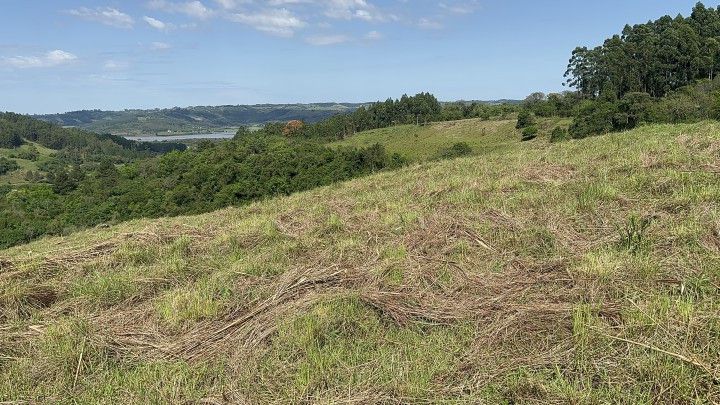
[654,58]
[421,109]
[663,71]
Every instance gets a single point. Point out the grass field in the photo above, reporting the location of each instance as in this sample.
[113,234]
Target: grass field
[580,272]
[18,176]
[424,143]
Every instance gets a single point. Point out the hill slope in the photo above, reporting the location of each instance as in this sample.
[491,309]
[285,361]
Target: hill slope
[425,143]
[584,271]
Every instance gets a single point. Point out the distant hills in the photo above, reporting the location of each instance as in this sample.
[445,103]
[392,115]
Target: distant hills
[194,119]
[200,118]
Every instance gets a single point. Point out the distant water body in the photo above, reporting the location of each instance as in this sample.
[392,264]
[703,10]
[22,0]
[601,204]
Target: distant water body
[180,138]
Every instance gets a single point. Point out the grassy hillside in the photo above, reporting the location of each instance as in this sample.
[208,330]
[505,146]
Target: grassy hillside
[580,272]
[18,176]
[424,143]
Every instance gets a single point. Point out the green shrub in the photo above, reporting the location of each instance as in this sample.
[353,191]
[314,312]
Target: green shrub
[525,119]
[457,150]
[7,165]
[559,134]
[594,118]
[529,133]
[30,153]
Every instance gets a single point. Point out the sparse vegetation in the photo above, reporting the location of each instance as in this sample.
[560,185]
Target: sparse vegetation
[632,235]
[418,144]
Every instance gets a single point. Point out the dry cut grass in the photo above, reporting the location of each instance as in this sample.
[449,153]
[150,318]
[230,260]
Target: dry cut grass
[582,272]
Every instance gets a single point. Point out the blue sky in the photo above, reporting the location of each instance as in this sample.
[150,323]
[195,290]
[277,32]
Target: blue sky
[63,55]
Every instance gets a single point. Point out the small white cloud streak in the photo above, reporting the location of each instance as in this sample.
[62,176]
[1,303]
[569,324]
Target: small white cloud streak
[104,15]
[157,24]
[194,9]
[159,46]
[374,36]
[50,59]
[280,22]
[324,40]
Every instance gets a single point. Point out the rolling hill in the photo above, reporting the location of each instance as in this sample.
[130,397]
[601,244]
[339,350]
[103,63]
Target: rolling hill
[425,143]
[576,272]
[194,119]
[202,118]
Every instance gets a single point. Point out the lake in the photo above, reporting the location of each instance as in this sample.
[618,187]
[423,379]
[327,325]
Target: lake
[180,138]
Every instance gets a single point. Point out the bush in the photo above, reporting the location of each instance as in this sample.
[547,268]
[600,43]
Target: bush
[559,134]
[397,161]
[9,140]
[529,133]
[32,176]
[30,153]
[457,150]
[525,119]
[715,109]
[7,165]
[243,131]
[594,118]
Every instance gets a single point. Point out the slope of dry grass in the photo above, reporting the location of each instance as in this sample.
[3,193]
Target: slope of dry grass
[582,272]
[424,143]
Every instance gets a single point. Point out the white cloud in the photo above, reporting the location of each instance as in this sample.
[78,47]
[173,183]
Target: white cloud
[226,4]
[276,3]
[114,65]
[323,40]
[105,15]
[354,9]
[428,24]
[195,8]
[50,59]
[232,4]
[159,46]
[280,22]
[373,36]
[157,24]
[461,7]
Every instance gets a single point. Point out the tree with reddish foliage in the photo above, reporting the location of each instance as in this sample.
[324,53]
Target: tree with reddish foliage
[294,128]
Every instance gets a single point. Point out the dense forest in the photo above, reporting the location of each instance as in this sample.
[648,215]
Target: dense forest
[663,71]
[210,176]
